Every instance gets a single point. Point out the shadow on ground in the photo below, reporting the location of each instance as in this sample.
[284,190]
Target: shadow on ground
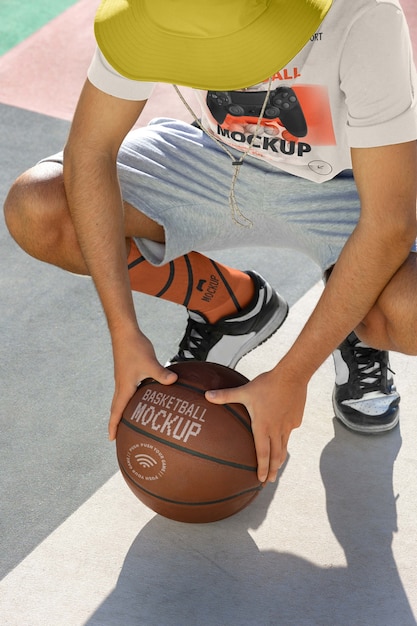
[215,575]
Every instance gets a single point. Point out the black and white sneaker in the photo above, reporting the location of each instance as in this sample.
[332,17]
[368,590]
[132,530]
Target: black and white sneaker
[364,398]
[229,339]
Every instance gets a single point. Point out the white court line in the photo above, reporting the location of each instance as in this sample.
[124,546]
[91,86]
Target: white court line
[67,576]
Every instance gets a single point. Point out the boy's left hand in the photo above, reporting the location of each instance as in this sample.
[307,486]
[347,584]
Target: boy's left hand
[276,406]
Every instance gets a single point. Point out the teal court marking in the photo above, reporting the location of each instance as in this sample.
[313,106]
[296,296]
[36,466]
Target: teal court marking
[21,18]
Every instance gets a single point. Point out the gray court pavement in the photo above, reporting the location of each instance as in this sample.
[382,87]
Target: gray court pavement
[332,543]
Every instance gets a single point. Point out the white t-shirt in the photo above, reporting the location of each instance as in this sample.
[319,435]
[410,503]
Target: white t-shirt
[353,85]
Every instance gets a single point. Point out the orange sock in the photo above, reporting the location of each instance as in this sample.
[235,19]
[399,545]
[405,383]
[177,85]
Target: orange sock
[193,280]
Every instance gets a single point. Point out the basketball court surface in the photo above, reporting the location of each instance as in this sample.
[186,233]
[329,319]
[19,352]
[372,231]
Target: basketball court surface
[333,542]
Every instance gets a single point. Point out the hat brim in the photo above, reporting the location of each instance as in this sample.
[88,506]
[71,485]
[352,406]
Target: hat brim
[137,49]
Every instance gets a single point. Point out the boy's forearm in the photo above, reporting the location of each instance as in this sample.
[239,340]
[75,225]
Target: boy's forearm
[97,211]
[364,268]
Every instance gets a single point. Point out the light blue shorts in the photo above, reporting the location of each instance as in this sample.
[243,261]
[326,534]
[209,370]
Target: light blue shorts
[180,178]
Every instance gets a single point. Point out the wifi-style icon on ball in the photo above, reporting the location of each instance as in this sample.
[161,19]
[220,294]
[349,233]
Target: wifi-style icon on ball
[144,460]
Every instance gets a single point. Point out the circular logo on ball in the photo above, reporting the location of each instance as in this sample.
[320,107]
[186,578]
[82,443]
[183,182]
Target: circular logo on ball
[146,462]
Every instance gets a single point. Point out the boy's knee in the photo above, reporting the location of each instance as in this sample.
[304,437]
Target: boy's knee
[395,333]
[391,324]
[373,329]
[13,205]
[32,207]
[401,325]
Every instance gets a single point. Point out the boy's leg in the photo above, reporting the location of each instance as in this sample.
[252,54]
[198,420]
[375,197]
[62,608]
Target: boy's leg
[37,216]
[365,398]
[193,280]
[231,312]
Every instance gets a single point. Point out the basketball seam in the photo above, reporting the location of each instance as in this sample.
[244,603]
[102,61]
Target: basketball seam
[190,281]
[185,503]
[200,455]
[168,282]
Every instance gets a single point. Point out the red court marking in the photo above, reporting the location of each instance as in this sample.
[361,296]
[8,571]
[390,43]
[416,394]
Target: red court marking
[45,73]
[410,9]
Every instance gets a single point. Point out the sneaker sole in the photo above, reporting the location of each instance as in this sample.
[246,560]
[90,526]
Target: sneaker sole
[274,323]
[366,430]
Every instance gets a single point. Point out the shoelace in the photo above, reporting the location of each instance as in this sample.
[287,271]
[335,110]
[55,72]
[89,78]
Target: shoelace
[196,341]
[372,367]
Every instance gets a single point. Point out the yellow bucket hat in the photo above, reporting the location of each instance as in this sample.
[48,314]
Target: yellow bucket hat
[206,44]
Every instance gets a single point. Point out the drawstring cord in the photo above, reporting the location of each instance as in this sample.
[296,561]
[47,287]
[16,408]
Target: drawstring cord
[237,215]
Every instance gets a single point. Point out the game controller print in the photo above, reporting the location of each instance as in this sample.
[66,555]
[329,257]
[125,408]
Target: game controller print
[282,105]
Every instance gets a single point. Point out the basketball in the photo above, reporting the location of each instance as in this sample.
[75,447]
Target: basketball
[184,457]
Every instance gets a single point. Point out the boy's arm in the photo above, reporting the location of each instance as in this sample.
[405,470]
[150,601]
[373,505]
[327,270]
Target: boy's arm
[100,124]
[386,182]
